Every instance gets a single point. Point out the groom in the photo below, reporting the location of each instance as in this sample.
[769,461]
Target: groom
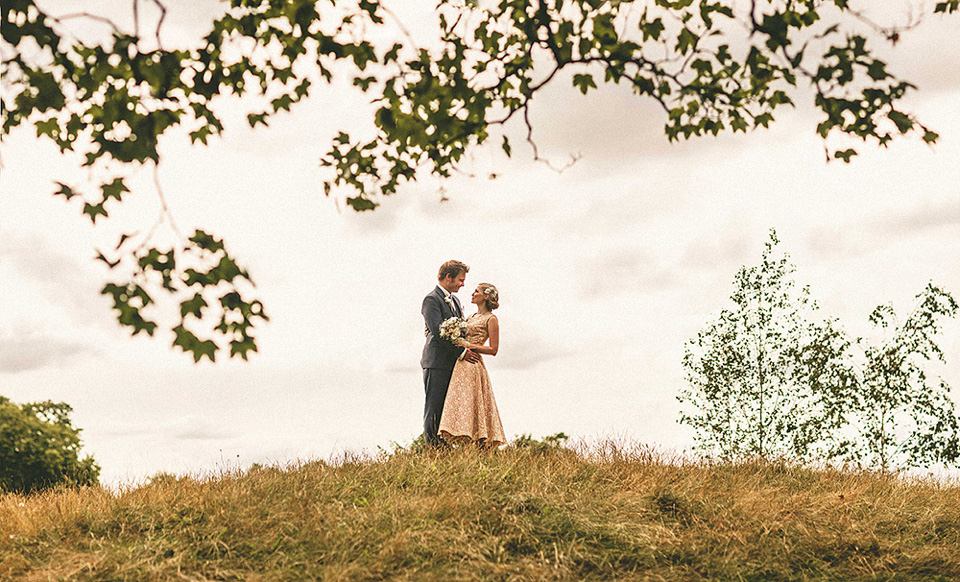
[439,355]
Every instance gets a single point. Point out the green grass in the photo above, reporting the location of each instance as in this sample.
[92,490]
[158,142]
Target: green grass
[517,514]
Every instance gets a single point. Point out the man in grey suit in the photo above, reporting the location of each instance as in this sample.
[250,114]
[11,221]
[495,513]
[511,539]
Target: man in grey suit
[439,355]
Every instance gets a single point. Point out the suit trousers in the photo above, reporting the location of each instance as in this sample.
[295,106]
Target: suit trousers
[435,383]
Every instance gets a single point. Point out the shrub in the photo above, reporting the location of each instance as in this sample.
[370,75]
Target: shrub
[40,448]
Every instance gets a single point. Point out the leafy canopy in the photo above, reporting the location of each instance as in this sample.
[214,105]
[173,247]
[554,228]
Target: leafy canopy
[712,66]
[40,448]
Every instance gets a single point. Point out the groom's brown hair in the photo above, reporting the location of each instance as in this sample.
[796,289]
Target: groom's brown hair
[452,269]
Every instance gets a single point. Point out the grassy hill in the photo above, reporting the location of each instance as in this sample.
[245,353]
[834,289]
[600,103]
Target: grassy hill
[532,513]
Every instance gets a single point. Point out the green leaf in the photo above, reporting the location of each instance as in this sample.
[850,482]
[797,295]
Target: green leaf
[845,155]
[686,41]
[93,211]
[702,67]
[947,7]
[303,89]
[385,119]
[128,315]
[775,27]
[723,53]
[652,29]
[200,134]
[284,75]
[506,146]
[64,191]
[193,306]
[877,70]
[392,54]
[738,123]
[206,241]
[902,121]
[361,204]
[241,347]
[364,82]
[114,189]
[190,343]
[49,127]
[226,270]
[584,82]
[282,102]
[604,30]
[824,127]
[193,277]
[254,118]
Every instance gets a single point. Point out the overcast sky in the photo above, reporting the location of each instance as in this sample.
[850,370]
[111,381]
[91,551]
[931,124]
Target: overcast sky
[605,270]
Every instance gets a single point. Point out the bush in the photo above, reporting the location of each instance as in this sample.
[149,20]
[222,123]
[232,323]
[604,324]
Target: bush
[39,448]
[548,444]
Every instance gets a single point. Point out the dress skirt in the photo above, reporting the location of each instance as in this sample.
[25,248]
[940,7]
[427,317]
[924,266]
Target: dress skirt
[470,412]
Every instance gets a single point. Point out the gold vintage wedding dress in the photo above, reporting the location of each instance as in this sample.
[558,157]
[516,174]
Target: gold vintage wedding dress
[469,412]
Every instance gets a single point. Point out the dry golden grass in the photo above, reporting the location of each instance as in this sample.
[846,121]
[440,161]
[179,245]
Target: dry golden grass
[517,514]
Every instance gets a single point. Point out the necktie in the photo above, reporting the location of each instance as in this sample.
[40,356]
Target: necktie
[457,303]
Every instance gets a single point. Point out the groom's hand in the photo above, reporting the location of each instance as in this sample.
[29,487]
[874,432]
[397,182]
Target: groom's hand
[471,356]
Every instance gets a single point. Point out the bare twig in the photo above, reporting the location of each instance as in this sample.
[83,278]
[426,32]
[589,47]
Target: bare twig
[892,33]
[163,15]
[136,19]
[536,152]
[165,209]
[147,237]
[107,21]
[400,25]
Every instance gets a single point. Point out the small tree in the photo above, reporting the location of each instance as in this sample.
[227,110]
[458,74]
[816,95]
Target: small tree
[906,416]
[764,379]
[39,448]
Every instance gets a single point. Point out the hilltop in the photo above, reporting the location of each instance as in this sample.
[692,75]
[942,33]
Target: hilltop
[522,513]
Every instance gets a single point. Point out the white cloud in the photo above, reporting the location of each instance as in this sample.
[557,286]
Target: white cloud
[27,351]
[942,214]
[719,247]
[61,279]
[525,347]
[937,217]
[191,427]
[622,271]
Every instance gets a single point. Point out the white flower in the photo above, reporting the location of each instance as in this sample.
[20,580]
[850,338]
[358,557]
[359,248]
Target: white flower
[453,330]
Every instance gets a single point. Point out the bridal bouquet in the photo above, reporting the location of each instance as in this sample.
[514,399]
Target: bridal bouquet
[454,330]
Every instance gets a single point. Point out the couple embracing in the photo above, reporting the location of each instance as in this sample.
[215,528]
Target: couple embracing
[459,404]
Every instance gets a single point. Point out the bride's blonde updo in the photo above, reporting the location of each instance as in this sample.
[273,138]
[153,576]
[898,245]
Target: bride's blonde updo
[491,294]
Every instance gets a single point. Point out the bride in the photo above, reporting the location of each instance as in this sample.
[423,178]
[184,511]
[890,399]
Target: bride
[469,412]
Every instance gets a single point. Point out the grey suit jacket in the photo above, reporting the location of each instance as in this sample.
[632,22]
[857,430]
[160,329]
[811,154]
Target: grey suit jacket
[437,352]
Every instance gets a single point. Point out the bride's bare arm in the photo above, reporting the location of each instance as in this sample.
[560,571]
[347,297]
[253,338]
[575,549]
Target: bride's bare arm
[493,328]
